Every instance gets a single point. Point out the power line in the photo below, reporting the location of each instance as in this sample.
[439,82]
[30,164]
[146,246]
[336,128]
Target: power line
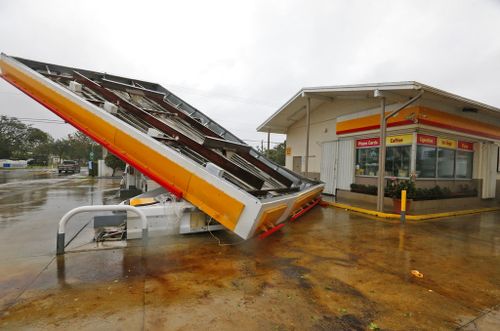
[39,120]
[43,122]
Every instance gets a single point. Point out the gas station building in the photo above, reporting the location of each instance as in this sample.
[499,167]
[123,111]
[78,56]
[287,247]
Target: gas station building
[333,134]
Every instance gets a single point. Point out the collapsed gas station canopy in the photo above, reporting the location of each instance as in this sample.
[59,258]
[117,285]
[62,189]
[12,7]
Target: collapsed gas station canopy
[169,141]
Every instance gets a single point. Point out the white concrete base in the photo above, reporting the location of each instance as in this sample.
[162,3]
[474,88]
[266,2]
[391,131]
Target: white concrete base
[163,219]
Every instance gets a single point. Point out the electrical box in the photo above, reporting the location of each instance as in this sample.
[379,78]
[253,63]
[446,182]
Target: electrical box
[75,87]
[110,107]
[152,132]
[214,169]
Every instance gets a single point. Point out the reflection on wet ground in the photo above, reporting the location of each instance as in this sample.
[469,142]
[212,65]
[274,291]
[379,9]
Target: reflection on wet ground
[18,175]
[330,270]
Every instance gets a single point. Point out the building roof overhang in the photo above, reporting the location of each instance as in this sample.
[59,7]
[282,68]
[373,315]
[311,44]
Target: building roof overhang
[295,108]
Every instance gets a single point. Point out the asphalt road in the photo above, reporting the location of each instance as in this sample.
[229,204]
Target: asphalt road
[330,270]
[32,201]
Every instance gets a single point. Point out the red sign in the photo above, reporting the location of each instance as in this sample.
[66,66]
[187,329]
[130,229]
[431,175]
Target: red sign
[370,142]
[426,140]
[466,145]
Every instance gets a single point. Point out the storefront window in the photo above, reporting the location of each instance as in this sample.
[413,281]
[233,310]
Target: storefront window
[464,164]
[397,161]
[443,158]
[367,161]
[446,163]
[436,157]
[426,161]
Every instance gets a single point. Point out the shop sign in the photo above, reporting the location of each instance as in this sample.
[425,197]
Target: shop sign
[406,139]
[288,151]
[369,142]
[447,143]
[424,139]
[466,145]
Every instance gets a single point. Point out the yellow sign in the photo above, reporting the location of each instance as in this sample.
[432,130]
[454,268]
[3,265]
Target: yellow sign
[288,151]
[405,139]
[447,143]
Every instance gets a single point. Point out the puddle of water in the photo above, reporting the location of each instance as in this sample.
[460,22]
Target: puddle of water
[31,210]
[17,175]
[330,270]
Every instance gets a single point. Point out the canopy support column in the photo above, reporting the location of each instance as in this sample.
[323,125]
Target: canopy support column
[308,127]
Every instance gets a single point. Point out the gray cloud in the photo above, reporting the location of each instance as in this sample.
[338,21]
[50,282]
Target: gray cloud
[239,61]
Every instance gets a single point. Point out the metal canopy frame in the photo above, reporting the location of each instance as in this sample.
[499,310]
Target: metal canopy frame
[182,126]
[169,141]
[169,130]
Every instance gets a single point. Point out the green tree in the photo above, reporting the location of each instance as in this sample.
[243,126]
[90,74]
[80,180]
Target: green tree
[114,163]
[61,148]
[277,154]
[21,141]
[12,137]
[77,146]
[38,145]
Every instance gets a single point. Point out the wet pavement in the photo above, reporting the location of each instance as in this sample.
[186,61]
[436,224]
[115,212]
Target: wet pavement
[330,270]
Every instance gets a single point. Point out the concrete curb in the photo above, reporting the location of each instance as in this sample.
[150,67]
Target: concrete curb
[411,217]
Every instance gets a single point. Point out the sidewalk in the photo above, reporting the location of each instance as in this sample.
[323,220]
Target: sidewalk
[370,209]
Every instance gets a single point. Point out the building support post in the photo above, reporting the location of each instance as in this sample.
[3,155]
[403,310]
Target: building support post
[268,142]
[308,126]
[381,154]
[381,157]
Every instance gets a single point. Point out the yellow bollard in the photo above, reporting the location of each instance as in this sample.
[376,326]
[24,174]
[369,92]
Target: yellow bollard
[403,206]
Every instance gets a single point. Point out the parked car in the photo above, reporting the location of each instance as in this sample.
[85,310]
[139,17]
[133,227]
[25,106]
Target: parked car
[69,166]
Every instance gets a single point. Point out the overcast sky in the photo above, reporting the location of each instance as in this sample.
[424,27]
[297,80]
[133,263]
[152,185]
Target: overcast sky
[239,61]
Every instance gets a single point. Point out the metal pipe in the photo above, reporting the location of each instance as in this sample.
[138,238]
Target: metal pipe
[381,157]
[382,149]
[406,104]
[62,223]
[308,127]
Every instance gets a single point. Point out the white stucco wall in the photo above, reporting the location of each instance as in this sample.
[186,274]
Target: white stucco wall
[323,128]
